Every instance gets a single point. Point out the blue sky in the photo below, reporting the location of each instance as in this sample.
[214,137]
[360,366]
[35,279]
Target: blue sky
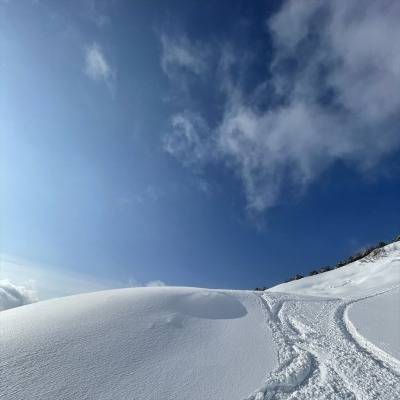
[226,144]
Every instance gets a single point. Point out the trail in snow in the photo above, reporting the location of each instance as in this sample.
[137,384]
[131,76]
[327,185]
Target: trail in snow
[318,356]
[329,334]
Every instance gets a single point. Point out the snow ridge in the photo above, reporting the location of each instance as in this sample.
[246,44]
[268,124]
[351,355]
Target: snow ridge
[319,358]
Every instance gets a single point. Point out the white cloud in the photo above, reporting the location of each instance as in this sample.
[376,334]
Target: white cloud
[32,282]
[156,283]
[47,281]
[96,11]
[178,53]
[97,67]
[146,195]
[189,138]
[333,95]
[15,295]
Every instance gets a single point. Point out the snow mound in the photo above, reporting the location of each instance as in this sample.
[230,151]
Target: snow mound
[139,343]
[210,305]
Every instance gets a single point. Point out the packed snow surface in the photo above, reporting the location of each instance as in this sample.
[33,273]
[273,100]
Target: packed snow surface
[139,343]
[331,336]
[377,320]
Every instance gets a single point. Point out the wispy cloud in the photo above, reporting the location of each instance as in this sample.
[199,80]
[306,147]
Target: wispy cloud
[189,138]
[148,194]
[97,67]
[96,11]
[332,94]
[156,283]
[178,53]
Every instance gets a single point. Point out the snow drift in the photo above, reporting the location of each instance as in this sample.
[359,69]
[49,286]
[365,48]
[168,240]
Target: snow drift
[137,343]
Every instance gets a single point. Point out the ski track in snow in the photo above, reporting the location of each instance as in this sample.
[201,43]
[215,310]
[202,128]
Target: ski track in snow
[320,354]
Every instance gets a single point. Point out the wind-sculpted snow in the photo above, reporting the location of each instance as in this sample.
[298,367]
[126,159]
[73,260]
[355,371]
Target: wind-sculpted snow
[138,343]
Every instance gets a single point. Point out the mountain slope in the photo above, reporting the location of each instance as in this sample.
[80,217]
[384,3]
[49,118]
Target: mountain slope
[375,322]
[337,335]
[331,336]
[357,279]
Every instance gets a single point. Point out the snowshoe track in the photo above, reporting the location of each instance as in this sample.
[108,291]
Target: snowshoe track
[318,356]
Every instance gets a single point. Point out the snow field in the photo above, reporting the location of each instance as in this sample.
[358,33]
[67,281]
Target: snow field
[140,343]
[337,333]
[331,336]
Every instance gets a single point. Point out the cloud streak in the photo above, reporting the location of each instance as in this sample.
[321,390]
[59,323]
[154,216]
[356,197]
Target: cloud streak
[180,54]
[97,67]
[332,95]
[156,283]
[189,138]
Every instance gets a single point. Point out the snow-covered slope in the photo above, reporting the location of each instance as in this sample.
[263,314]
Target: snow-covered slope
[337,334]
[377,320]
[140,343]
[331,336]
[357,279]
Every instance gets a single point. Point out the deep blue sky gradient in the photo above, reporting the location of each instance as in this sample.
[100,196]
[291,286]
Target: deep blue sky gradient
[86,185]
